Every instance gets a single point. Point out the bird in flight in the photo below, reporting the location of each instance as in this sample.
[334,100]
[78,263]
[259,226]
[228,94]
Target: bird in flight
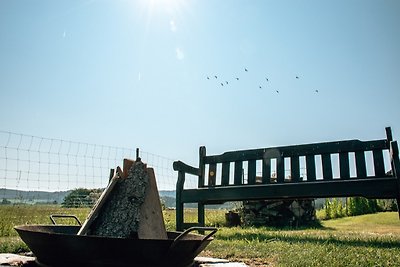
[215,76]
[222,84]
[208,78]
[277,91]
[246,69]
[226,82]
[267,79]
[297,77]
[260,86]
[316,91]
[237,79]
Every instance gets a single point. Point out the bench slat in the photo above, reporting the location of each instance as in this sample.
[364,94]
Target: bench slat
[360,164]
[212,173]
[379,165]
[344,165]
[326,167]
[251,172]
[238,172]
[202,166]
[266,171]
[310,167]
[295,169]
[225,173]
[280,170]
[370,188]
[298,150]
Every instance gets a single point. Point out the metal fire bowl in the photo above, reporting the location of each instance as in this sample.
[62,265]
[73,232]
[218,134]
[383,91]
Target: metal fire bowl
[59,245]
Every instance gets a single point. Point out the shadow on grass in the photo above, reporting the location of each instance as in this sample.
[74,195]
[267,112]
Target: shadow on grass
[316,225]
[307,238]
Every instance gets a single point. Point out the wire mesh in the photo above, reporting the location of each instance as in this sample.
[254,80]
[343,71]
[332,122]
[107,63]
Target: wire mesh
[36,169]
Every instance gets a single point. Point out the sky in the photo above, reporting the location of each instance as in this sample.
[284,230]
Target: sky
[134,73]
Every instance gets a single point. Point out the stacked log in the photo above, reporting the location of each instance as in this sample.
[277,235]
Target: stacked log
[232,219]
[120,215]
[279,213]
[129,207]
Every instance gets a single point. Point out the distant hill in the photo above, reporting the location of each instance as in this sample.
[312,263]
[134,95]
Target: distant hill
[167,193]
[35,197]
[168,197]
[32,197]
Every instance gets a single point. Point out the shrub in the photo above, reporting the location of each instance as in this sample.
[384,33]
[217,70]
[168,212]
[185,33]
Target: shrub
[334,208]
[360,205]
[81,198]
[337,208]
[5,202]
[387,205]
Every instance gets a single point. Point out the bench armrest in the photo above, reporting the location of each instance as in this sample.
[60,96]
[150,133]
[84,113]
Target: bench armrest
[180,166]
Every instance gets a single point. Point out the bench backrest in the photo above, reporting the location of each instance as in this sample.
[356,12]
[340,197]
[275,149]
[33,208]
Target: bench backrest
[352,159]
[333,169]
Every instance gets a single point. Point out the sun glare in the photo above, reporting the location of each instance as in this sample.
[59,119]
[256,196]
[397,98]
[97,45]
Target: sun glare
[171,7]
[154,12]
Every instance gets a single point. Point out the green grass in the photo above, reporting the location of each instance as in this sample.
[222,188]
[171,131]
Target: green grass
[368,240]
[214,218]
[12,245]
[11,216]
[378,222]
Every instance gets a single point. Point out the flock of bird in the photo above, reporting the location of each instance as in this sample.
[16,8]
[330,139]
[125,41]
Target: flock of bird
[225,83]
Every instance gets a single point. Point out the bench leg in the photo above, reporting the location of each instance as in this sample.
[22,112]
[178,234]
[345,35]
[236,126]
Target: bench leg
[179,205]
[200,214]
[179,217]
[398,206]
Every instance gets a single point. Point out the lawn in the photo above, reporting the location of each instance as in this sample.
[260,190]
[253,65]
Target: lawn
[367,240]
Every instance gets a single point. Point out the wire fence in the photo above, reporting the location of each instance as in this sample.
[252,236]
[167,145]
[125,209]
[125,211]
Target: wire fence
[37,169]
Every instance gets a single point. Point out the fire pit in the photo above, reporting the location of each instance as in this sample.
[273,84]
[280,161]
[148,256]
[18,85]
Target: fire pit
[124,228]
[59,245]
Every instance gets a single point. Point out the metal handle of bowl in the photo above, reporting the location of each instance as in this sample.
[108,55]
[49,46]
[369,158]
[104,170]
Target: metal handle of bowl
[195,228]
[63,216]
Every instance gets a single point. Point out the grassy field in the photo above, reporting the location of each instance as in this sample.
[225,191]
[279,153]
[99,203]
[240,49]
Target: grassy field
[11,216]
[368,240]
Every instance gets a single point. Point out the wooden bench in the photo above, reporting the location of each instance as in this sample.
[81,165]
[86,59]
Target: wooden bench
[319,170]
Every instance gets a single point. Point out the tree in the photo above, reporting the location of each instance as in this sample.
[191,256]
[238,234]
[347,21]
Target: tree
[360,205]
[328,209]
[81,197]
[5,202]
[387,205]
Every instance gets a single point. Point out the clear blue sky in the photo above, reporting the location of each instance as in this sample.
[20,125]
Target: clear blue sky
[134,73]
